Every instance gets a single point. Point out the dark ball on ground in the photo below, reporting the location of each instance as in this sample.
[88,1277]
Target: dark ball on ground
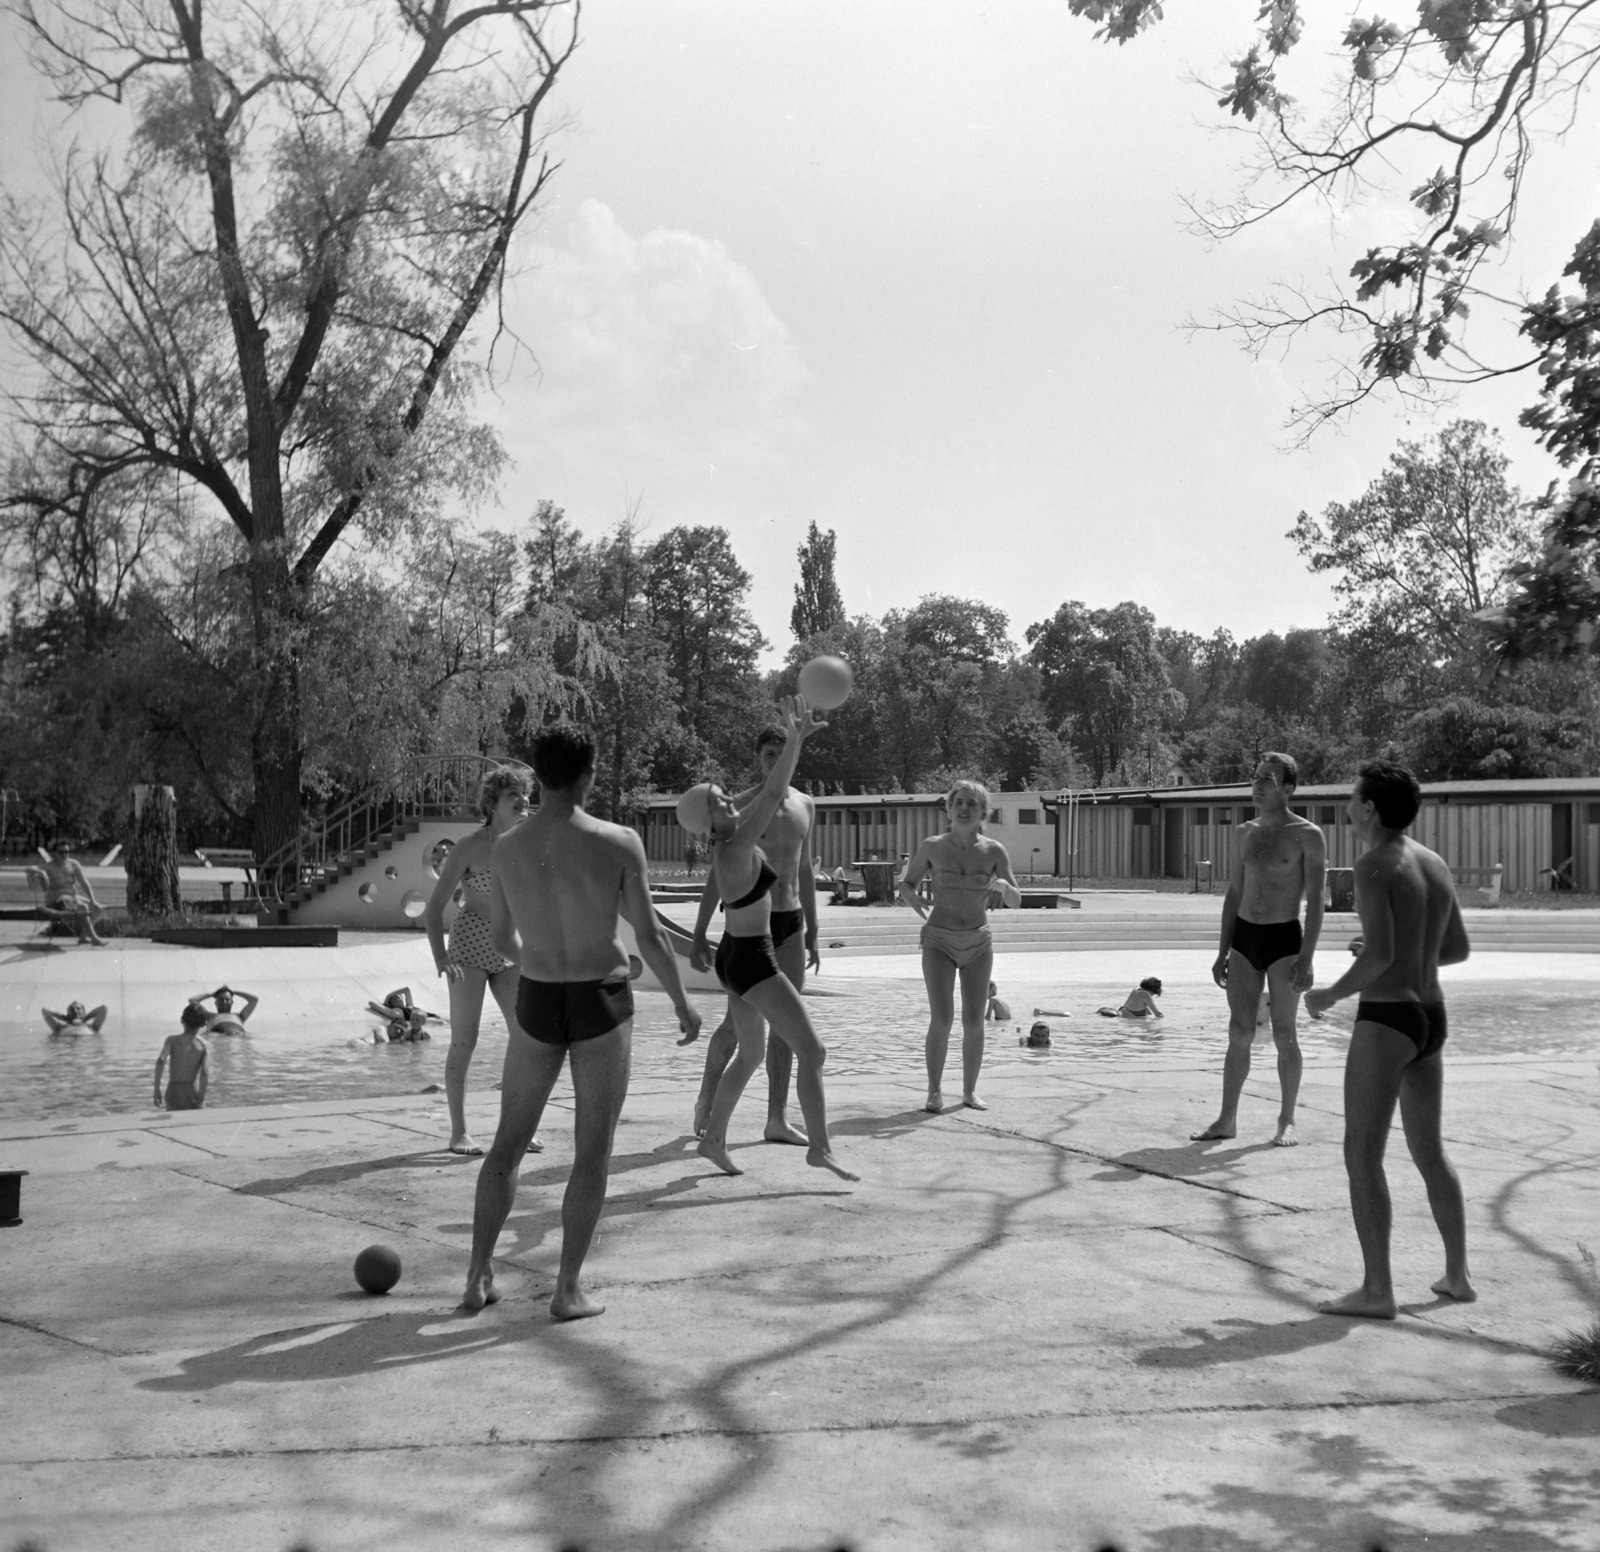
[378,1268]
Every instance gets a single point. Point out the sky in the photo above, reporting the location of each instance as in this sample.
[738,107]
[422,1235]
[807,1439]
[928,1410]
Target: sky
[920,273]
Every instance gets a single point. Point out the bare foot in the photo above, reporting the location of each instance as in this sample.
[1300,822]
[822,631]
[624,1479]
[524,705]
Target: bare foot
[480,1291]
[702,1116]
[717,1152]
[972,1102]
[1285,1137]
[1457,1288]
[1361,1305]
[935,1104]
[821,1158]
[1216,1132]
[781,1131]
[576,1305]
[465,1144]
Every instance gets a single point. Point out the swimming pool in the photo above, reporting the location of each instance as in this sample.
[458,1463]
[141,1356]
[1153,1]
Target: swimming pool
[874,1025]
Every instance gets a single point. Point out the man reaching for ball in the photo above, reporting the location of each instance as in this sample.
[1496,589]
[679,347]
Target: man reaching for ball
[558,881]
[794,938]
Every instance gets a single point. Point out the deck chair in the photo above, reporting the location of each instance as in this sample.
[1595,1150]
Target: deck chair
[48,915]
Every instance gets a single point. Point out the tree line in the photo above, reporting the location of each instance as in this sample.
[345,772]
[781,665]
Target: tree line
[130,659]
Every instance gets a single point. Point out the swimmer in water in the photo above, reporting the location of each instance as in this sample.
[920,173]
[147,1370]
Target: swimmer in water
[998,1010]
[971,872]
[402,1018]
[225,1021]
[186,1086]
[77,1020]
[1038,1038]
[1140,1002]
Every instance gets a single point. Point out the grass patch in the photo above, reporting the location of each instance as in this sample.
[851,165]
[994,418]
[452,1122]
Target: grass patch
[1577,1353]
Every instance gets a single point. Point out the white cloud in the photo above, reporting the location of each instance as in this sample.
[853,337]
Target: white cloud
[658,348]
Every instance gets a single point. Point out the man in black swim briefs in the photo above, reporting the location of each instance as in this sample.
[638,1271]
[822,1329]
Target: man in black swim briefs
[1276,860]
[558,881]
[785,841]
[1410,925]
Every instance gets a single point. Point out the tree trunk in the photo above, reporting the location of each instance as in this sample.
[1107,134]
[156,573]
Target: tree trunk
[153,853]
[276,745]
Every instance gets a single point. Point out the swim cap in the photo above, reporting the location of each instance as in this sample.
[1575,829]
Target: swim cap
[694,809]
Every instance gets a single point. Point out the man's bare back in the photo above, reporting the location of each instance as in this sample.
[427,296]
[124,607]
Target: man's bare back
[561,879]
[1422,900]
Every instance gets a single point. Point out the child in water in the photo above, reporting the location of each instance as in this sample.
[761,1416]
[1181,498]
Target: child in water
[186,1087]
[1140,1002]
[1038,1037]
[997,1009]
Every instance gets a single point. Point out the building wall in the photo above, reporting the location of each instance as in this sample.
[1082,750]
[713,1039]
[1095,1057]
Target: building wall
[1112,842]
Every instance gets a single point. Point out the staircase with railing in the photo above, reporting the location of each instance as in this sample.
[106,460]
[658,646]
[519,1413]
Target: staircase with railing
[334,845]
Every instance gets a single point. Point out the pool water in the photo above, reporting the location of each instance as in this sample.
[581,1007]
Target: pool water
[872,1026]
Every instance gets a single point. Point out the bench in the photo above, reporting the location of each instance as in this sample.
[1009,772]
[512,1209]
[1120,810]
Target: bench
[1486,880]
[232,857]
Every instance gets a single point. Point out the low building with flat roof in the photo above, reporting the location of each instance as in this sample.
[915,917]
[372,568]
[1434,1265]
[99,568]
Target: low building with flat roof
[1543,832]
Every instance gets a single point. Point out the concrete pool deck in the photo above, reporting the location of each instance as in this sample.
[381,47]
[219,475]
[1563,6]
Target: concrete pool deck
[1053,1324]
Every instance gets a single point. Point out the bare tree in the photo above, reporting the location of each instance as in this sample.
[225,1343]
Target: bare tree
[268,288]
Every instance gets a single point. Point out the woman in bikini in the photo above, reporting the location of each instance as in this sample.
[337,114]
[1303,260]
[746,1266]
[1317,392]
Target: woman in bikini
[970,872]
[471,963]
[746,962]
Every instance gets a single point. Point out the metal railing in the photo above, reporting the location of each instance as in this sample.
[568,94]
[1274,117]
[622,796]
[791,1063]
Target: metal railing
[435,787]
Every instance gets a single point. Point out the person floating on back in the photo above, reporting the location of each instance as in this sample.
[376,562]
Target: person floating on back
[1139,1003]
[1410,925]
[403,1019]
[187,1082]
[225,1021]
[1276,861]
[558,881]
[77,1020]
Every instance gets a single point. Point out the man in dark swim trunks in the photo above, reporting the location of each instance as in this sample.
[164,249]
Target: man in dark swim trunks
[559,879]
[1278,859]
[1410,925]
[794,936]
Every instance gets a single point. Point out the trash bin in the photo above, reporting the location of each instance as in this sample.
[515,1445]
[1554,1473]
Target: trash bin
[11,1196]
[879,879]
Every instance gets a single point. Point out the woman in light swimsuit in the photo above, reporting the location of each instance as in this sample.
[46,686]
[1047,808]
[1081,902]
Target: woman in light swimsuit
[472,963]
[1140,1002]
[970,872]
[746,961]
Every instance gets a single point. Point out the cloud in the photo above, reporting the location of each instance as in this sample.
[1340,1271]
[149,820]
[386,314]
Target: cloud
[654,348]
